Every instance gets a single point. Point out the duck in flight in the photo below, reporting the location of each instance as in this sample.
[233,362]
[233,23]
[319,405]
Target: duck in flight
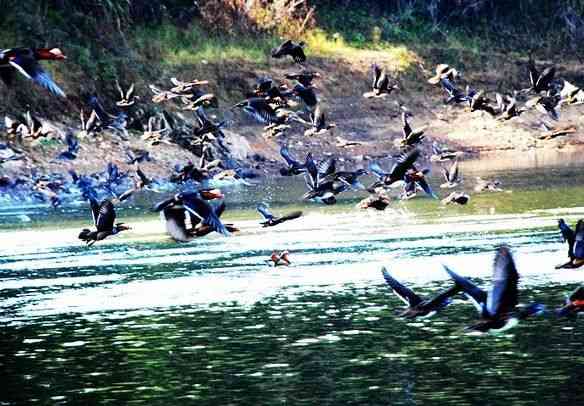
[497,308]
[397,173]
[293,166]
[104,217]
[188,215]
[575,240]
[290,48]
[279,258]
[26,62]
[381,86]
[269,220]
[451,176]
[417,306]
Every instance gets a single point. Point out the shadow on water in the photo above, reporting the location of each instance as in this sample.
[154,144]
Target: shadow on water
[141,320]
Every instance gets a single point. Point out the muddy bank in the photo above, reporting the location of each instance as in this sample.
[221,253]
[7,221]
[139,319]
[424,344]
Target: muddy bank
[371,126]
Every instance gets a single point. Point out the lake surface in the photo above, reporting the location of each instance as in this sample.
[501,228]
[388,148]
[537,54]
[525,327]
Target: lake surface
[138,319]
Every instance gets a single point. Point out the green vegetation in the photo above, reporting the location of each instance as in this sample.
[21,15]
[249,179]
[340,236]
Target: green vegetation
[140,40]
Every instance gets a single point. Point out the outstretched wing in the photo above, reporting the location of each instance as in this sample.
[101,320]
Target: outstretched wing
[311,175]
[502,298]
[442,297]
[453,175]
[94,206]
[262,208]
[106,216]
[578,294]
[568,235]
[403,292]
[545,78]
[31,69]
[426,188]
[203,210]
[291,216]
[533,73]
[473,292]
[404,162]
[289,158]
[376,170]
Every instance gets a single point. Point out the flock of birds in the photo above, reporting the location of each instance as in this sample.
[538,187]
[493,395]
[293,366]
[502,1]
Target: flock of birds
[498,308]
[189,214]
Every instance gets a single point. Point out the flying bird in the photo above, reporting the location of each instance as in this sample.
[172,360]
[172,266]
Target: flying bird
[269,220]
[417,306]
[497,308]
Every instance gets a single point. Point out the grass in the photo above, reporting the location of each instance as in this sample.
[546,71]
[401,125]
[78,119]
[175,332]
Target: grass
[175,46]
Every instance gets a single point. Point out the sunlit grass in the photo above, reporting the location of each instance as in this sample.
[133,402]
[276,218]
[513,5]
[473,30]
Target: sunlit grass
[326,45]
[173,46]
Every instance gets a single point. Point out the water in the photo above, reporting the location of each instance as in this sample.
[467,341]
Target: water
[138,319]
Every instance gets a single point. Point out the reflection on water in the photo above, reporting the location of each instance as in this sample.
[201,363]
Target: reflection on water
[139,319]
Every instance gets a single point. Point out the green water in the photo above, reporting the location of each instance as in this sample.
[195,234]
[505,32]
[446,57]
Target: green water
[141,320]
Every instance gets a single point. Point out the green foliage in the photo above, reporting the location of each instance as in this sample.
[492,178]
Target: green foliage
[137,40]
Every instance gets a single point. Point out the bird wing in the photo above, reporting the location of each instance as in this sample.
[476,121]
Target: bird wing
[406,128]
[579,240]
[282,49]
[163,204]
[175,222]
[130,92]
[142,176]
[404,162]
[577,294]
[500,102]
[569,236]
[203,210]
[291,216]
[262,208]
[106,216]
[376,76]
[473,292]
[94,206]
[318,118]
[403,292]
[298,54]
[426,188]
[502,297]
[448,86]
[453,175]
[443,296]
[220,209]
[533,73]
[311,174]
[326,167]
[377,171]
[545,78]
[289,158]
[446,174]
[31,69]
